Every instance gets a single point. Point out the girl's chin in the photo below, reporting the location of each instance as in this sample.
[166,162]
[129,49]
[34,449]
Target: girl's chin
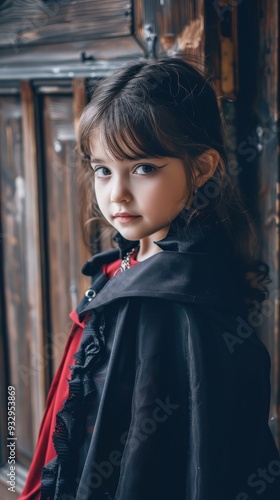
[134,232]
[129,235]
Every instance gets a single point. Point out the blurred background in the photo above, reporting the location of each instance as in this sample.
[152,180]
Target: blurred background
[52,53]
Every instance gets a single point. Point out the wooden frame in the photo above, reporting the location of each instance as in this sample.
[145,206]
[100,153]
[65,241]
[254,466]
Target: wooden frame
[33,242]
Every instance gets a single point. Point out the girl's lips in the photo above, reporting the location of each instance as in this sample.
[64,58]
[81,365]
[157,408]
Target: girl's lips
[126,218]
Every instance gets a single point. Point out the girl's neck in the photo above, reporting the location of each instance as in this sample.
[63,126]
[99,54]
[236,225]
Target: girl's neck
[147,247]
[144,254]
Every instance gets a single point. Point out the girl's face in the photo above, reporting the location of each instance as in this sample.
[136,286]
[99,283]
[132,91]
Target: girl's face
[150,192]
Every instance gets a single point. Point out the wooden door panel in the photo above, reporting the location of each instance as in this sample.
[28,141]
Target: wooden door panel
[22,298]
[65,246]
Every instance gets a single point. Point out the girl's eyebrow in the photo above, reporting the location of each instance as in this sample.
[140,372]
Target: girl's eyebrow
[97,160]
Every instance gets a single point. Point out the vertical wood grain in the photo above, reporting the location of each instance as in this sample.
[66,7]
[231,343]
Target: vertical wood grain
[66,249]
[179,26]
[21,269]
[33,257]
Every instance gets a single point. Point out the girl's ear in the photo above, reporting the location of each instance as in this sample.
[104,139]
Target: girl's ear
[205,166]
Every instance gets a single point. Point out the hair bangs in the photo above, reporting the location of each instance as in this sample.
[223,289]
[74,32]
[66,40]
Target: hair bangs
[128,131]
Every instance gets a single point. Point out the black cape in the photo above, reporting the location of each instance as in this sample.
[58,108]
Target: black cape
[184,409]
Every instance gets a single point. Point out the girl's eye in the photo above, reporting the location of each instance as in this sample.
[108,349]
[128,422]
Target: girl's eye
[145,169]
[101,171]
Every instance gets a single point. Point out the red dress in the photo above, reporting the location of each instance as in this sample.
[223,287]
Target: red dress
[58,393]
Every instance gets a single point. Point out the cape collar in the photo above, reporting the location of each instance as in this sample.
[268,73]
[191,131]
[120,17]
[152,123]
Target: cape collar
[196,266]
[202,234]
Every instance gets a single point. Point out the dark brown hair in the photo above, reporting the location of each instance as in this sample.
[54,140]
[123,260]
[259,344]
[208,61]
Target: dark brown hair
[167,107]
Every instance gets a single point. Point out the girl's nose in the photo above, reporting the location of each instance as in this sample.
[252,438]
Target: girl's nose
[120,193]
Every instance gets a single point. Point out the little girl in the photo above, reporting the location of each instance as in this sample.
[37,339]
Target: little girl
[163,391]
